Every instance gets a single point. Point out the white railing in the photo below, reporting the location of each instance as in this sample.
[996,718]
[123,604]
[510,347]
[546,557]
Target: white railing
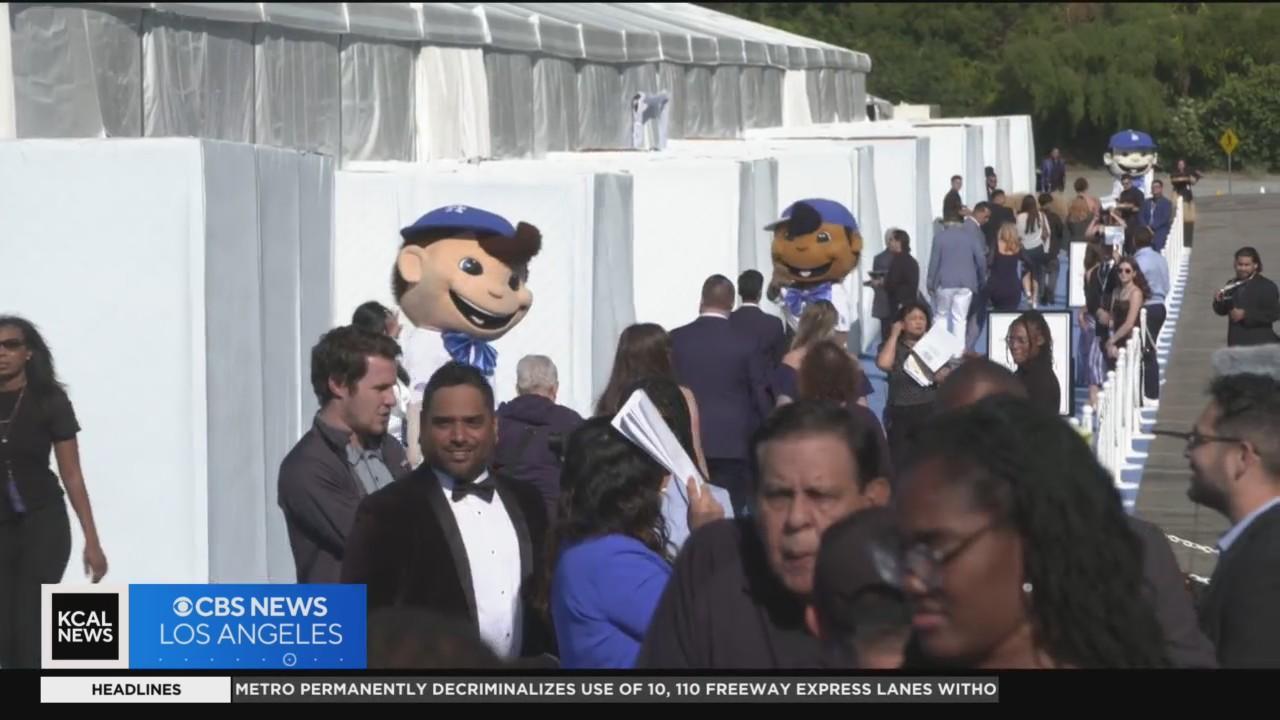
[1118,419]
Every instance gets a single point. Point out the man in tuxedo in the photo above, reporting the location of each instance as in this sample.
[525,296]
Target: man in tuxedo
[451,537]
[1234,452]
[750,320]
[725,371]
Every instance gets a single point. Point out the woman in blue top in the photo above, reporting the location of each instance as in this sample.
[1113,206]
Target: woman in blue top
[610,547]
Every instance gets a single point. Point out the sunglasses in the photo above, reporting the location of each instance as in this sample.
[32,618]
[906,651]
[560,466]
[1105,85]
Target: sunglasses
[13,344]
[1125,271]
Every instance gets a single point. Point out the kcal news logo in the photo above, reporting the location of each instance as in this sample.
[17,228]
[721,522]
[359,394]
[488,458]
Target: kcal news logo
[85,627]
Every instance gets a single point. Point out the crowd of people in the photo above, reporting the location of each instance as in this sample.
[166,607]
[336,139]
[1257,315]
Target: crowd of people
[970,527]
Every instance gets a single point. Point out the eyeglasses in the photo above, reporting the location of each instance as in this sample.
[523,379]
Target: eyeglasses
[1125,270]
[925,563]
[13,344]
[1194,438]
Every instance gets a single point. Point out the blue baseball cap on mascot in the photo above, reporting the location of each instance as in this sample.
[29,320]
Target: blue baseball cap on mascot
[463,218]
[1131,140]
[830,212]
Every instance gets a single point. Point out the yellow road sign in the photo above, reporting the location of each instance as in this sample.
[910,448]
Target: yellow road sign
[1229,141]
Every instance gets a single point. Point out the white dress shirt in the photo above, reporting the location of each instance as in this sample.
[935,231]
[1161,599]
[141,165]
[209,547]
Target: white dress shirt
[493,552]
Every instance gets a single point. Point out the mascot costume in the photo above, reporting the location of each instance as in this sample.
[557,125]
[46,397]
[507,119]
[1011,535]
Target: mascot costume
[460,278]
[1131,153]
[815,245]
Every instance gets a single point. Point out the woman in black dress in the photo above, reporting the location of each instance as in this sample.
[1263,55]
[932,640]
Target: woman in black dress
[35,536]
[1030,345]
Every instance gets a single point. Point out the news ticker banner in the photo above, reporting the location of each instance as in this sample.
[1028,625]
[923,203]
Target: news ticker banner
[524,690]
[204,627]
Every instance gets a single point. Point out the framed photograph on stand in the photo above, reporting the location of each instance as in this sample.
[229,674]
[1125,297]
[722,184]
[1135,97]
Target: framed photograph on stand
[1059,322]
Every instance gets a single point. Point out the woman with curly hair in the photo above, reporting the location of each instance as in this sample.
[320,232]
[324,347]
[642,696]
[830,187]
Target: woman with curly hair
[609,549]
[1017,550]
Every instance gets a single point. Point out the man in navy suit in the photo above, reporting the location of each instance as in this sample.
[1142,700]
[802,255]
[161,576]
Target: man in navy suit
[725,371]
[750,320]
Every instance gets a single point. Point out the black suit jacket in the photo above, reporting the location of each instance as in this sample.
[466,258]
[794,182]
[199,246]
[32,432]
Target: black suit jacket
[1261,304]
[999,216]
[1240,612]
[726,374]
[1166,588]
[765,329]
[407,549]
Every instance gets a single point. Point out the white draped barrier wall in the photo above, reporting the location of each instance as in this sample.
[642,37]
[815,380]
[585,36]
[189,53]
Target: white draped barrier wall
[205,271]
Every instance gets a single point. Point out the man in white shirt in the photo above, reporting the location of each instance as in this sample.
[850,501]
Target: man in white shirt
[1234,452]
[450,537]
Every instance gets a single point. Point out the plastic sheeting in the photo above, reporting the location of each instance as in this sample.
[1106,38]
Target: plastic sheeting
[197,78]
[377,92]
[1022,154]
[604,115]
[844,95]
[215,224]
[860,96]
[760,89]
[555,106]
[371,206]
[795,99]
[511,96]
[452,96]
[671,77]
[699,99]
[726,92]
[77,71]
[8,121]
[296,101]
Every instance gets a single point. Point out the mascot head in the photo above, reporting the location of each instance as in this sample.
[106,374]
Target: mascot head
[465,270]
[814,241]
[1132,153]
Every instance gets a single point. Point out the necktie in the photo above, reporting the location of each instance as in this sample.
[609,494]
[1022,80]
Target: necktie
[797,299]
[483,490]
[471,351]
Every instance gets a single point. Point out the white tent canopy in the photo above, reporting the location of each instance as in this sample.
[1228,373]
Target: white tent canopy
[367,81]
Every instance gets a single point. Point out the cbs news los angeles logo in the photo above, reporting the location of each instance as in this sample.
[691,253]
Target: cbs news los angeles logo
[85,627]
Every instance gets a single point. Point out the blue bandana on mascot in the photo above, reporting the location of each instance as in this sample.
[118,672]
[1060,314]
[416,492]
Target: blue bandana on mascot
[1131,153]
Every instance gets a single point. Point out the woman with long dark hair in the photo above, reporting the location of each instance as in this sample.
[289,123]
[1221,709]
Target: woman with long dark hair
[1017,550]
[36,416]
[1033,230]
[644,351]
[682,511]
[1030,344]
[608,550]
[1126,303]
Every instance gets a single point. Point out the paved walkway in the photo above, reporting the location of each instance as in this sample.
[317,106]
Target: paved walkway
[1225,224]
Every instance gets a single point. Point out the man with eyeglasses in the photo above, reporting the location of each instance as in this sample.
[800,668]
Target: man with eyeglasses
[1234,453]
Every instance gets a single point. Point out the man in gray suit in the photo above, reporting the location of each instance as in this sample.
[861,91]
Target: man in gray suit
[957,271]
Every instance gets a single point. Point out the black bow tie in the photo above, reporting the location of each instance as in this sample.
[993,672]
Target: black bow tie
[483,489]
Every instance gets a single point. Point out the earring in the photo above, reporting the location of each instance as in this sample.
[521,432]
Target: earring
[1026,588]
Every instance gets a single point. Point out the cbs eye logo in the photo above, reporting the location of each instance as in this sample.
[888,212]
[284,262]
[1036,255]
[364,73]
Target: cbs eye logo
[182,607]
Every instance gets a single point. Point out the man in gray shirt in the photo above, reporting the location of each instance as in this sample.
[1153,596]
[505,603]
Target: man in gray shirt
[957,271]
[346,455]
